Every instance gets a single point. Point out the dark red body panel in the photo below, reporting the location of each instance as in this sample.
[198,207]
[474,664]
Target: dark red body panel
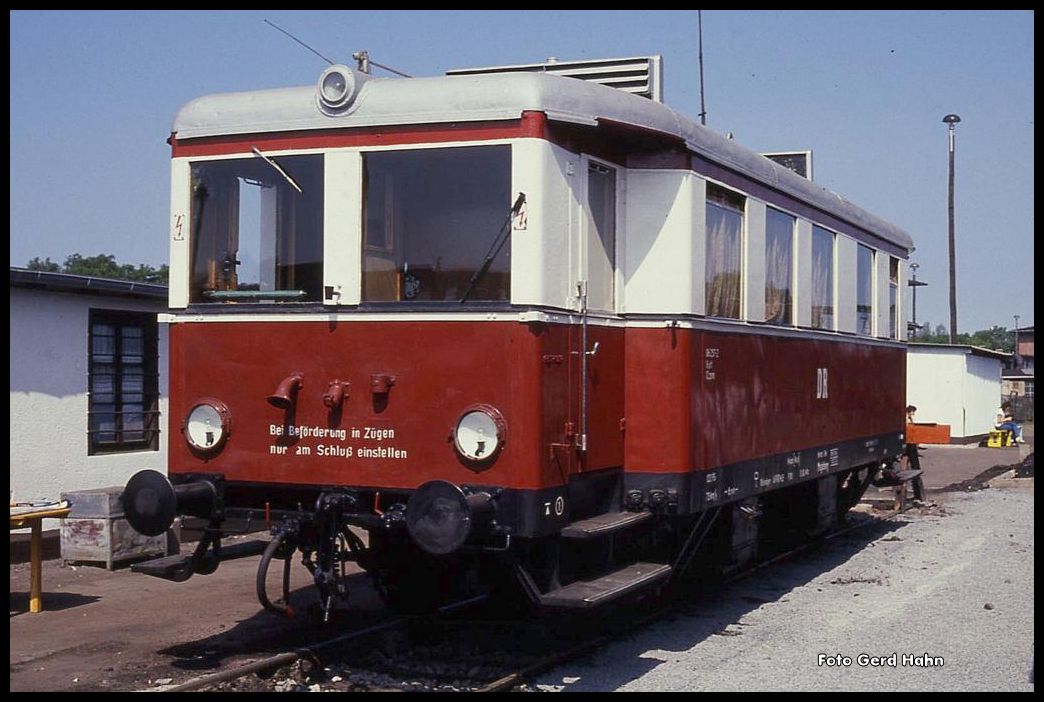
[660,400]
[701,399]
[440,369]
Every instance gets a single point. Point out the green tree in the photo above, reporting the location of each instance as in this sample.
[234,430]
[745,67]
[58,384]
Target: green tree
[45,265]
[103,266]
[995,338]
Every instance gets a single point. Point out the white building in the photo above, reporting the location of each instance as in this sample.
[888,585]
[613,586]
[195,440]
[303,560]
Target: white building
[88,382]
[955,385]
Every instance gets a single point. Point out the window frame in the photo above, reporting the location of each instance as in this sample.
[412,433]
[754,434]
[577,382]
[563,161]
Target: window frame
[787,304]
[728,201]
[894,303]
[118,320]
[869,284]
[214,279]
[395,242]
[831,285]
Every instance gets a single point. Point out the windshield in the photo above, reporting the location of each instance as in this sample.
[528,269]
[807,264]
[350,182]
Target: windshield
[430,217]
[255,237]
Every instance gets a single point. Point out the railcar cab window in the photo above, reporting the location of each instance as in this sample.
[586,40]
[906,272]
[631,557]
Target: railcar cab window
[430,218]
[257,229]
[724,240]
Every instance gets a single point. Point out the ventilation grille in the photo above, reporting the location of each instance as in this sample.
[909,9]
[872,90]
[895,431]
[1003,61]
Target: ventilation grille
[641,75]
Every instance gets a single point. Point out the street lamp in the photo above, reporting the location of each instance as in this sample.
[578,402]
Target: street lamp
[951,120]
[914,283]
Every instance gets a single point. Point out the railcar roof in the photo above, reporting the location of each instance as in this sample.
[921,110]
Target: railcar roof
[398,101]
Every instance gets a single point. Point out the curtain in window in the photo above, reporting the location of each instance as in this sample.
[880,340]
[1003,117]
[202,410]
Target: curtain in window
[779,247]
[723,261]
[822,279]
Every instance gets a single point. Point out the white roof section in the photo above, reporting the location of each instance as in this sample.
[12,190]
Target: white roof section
[467,98]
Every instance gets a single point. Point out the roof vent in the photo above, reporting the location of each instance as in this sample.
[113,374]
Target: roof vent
[641,75]
[798,161]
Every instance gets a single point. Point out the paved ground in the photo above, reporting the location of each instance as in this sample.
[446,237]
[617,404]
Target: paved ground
[118,630]
[949,594]
[945,465]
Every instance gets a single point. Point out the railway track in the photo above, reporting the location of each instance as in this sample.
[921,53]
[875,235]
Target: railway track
[438,652]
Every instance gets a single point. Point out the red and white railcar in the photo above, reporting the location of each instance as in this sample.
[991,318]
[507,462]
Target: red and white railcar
[512,318]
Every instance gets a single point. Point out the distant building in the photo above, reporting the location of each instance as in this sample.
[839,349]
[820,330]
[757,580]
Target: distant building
[1018,376]
[955,385]
[88,382]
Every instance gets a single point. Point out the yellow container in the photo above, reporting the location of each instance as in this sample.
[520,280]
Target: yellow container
[999,438]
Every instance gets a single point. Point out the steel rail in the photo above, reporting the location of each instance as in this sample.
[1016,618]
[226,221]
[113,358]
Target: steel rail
[280,659]
[309,652]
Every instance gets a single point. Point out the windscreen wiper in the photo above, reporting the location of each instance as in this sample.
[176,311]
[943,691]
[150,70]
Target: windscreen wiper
[273,164]
[498,243]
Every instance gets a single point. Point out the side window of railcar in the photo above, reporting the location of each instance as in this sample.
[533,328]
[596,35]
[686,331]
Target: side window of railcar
[865,290]
[430,218]
[257,229]
[724,241]
[601,242]
[893,297]
[822,278]
[779,267]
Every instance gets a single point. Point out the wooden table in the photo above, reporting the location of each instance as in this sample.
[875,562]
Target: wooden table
[23,516]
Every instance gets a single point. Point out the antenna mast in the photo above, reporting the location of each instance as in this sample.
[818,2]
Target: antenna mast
[703,108]
[329,61]
[362,57]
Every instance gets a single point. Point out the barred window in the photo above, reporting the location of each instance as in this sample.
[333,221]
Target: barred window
[123,382]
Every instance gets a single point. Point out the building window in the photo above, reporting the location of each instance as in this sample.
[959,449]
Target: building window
[865,290]
[779,267]
[123,382]
[822,278]
[724,239]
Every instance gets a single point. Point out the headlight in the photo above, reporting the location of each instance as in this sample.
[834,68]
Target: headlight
[207,426]
[479,436]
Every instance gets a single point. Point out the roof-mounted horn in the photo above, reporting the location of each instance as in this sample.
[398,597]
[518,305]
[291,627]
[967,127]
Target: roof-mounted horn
[338,87]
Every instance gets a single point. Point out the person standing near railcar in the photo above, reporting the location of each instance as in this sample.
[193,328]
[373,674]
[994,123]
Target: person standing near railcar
[911,459]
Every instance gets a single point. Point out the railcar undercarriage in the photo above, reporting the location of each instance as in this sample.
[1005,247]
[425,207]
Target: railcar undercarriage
[443,542]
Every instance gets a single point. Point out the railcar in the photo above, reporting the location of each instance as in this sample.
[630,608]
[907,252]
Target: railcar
[511,323]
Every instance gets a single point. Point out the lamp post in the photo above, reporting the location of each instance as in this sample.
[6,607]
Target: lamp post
[1015,356]
[914,283]
[952,120]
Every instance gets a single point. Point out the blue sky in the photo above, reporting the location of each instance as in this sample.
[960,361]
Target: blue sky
[93,95]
